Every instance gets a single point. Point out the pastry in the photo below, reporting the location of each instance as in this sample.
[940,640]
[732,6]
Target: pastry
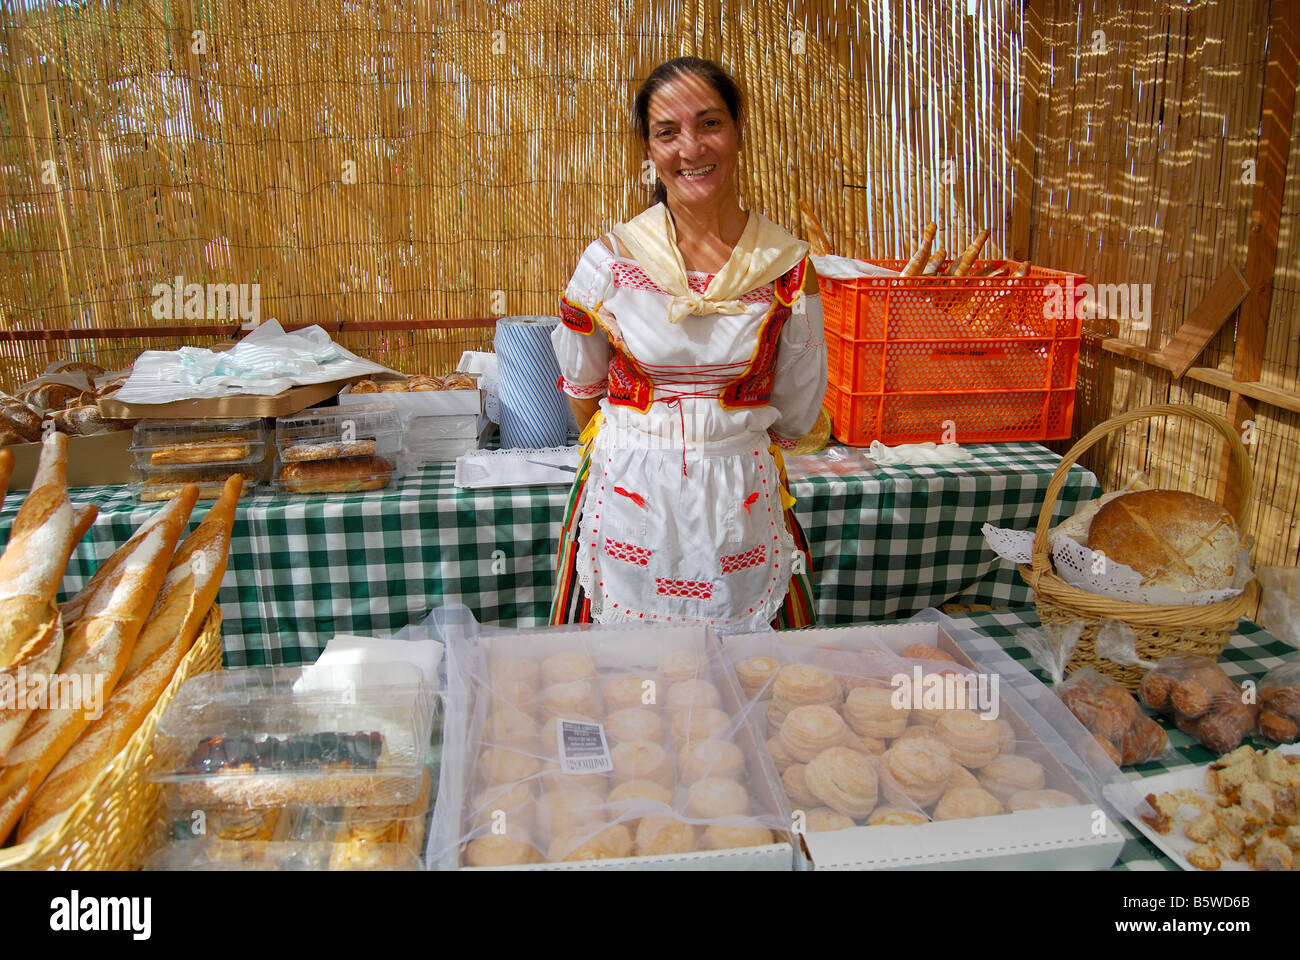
[1004,776]
[780,756]
[567,667]
[629,690]
[509,726]
[965,802]
[710,758]
[755,674]
[974,740]
[1144,740]
[656,836]
[1282,698]
[843,780]
[510,805]
[961,777]
[796,788]
[870,712]
[895,817]
[919,731]
[634,723]
[1109,722]
[693,695]
[1155,689]
[691,726]
[923,651]
[1111,751]
[1224,728]
[458,381]
[554,777]
[809,730]
[324,450]
[800,684]
[1278,727]
[641,760]
[514,693]
[574,698]
[864,744]
[633,798]
[1273,854]
[392,386]
[717,836]
[336,476]
[500,851]
[610,843]
[518,669]
[1083,703]
[681,665]
[713,798]
[569,808]
[364,386]
[824,819]
[204,451]
[503,765]
[1204,856]
[921,769]
[1033,799]
[775,717]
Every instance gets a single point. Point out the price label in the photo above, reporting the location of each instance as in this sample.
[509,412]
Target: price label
[582,747]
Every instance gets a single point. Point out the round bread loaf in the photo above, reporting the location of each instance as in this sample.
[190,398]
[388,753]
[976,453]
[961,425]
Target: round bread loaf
[1173,539]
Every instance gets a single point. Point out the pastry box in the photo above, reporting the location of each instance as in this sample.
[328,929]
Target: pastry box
[187,443]
[164,482]
[921,745]
[316,736]
[600,748]
[365,429]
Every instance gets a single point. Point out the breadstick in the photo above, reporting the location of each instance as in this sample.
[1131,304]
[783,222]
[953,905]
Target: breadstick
[992,270]
[187,594]
[1022,270]
[934,263]
[969,255]
[922,256]
[818,245]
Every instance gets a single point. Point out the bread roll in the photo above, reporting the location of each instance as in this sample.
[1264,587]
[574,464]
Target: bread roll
[336,476]
[112,609]
[1173,539]
[188,592]
[22,418]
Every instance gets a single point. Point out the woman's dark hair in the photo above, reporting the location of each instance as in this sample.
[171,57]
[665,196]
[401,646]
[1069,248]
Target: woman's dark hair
[707,70]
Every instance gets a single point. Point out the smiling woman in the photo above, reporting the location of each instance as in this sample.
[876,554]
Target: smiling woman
[691,347]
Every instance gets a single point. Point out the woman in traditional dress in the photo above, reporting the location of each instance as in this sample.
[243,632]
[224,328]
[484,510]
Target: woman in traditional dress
[691,348]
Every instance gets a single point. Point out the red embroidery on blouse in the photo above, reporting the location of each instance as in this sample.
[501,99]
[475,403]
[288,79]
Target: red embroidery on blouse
[631,275]
[699,589]
[627,551]
[790,282]
[782,442]
[629,386]
[576,317]
[739,561]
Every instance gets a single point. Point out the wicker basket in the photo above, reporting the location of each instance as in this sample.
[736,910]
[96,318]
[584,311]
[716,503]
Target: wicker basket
[1161,630]
[110,826]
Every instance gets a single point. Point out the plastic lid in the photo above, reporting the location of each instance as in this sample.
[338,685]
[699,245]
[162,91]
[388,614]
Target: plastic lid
[356,421]
[152,435]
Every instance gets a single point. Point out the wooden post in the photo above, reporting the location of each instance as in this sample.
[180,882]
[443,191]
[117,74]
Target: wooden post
[1266,213]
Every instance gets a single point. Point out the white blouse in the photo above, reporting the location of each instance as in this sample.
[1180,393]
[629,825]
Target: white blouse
[682,517]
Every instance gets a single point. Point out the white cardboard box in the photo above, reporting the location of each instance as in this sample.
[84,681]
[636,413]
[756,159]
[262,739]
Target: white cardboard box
[422,403]
[1061,838]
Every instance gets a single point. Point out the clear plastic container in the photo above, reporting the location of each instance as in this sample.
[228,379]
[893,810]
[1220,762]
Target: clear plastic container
[331,433]
[186,443]
[153,482]
[318,736]
[335,475]
[211,854]
[451,427]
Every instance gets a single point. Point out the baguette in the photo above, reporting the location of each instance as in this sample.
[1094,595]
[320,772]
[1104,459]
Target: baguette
[336,476]
[818,244]
[188,592]
[97,646]
[969,255]
[934,263]
[922,256]
[6,471]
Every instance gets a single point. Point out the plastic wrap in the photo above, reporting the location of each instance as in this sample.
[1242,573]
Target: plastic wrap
[1117,642]
[1279,604]
[1052,646]
[1279,698]
[1113,717]
[1203,702]
[594,743]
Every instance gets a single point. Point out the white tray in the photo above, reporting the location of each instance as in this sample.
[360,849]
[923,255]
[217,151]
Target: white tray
[511,468]
[1176,844]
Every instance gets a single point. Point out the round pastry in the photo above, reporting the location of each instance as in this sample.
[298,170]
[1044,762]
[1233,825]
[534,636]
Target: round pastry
[922,714]
[1033,799]
[693,695]
[870,712]
[961,777]
[754,674]
[503,765]
[710,758]
[494,850]
[628,690]
[576,697]
[630,800]
[1144,740]
[1122,699]
[1155,689]
[508,726]
[776,714]
[923,651]
[871,745]
[800,684]
[896,817]
[515,693]
[634,723]
[553,777]
[1011,774]
[824,819]
[1278,727]
[510,805]
[1082,703]
[518,669]
[1006,736]
[459,381]
[1283,698]
[641,760]
[570,808]
[966,802]
[843,780]
[720,837]
[780,756]
[919,731]
[713,798]
[921,768]
[610,843]
[809,730]
[548,737]
[1189,725]
[1110,722]
[681,665]
[392,386]
[656,836]
[691,726]
[1191,697]
[1111,751]
[974,740]
[1224,728]
[364,386]
[796,788]
[566,667]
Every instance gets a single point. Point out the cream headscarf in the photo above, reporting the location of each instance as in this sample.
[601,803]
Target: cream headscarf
[764,252]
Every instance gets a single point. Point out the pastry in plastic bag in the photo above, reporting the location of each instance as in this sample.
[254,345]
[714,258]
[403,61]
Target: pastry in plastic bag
[1114,718]
[1279,697]
[1201,699]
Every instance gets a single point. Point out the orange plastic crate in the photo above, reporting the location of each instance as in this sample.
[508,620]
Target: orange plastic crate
[969,359]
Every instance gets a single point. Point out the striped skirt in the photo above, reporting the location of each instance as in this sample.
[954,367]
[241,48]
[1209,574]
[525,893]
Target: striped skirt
[569,602]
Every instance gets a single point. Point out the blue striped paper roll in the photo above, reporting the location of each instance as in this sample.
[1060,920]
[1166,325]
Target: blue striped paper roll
[534,412]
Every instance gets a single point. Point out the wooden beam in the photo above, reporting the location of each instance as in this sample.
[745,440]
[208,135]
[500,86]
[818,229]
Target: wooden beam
[1031,92]
[1265,219]
[1205,319]
[234,330]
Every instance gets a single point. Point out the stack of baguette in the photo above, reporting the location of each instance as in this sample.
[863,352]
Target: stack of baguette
[130,625]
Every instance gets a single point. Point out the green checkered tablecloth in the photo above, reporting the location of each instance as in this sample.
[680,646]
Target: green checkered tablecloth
[305,568]
[1251,653]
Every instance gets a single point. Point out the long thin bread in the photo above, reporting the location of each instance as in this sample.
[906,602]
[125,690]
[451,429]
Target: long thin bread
[818,244]
[922,256]
[96,649]
[187,593]
[934,263]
